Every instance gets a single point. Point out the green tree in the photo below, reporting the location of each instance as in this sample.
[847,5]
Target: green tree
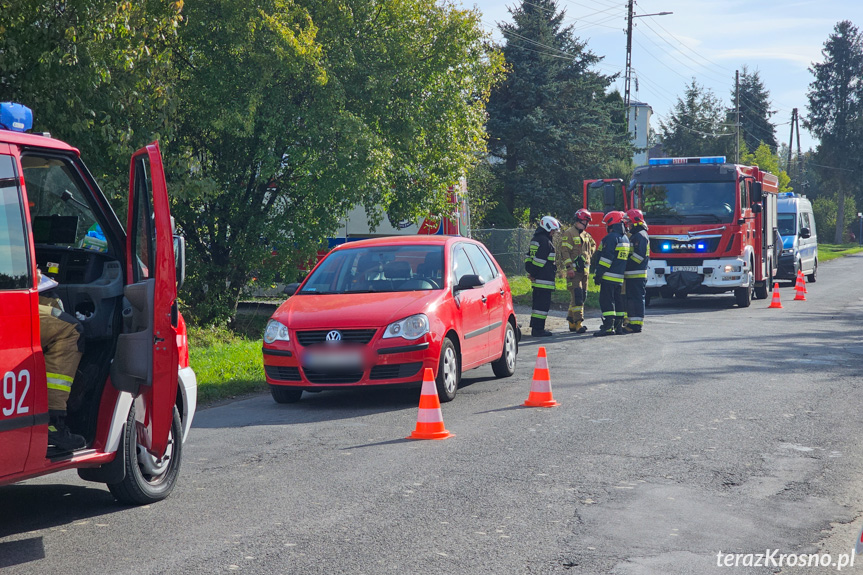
[94,72]
[767,160]
[292,112]
[755,112]
[696,125]
[836,113]
[550,123]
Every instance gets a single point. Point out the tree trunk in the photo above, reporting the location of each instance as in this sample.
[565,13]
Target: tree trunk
[840,215]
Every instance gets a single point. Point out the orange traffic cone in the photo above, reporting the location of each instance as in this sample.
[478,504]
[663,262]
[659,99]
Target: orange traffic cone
[540,388]
[802,280]
[429,416]
[775,302]
[800,287]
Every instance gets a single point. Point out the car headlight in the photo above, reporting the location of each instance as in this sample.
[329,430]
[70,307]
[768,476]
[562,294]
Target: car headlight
[787,252]
[276,332]
[409,328]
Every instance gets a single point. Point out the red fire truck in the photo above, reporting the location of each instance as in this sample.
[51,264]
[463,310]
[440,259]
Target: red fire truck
[713,227]
[134,394]
[601,197]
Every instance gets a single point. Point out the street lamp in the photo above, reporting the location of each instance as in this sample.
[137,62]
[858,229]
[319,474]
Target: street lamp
[629,17]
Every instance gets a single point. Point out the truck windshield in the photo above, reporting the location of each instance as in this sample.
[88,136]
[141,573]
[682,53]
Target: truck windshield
[378,269]
[687,202]
[787,224]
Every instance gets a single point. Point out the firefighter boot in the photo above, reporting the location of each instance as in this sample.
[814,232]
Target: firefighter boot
[578,327]
[59,435]
[618,325]
[607,327]
[632,328]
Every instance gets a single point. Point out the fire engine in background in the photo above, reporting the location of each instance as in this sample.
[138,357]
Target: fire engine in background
[713,227]
[134,395]
[356,226]
[601,197]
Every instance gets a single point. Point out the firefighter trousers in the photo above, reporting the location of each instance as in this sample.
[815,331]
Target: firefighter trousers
[62,345]
[577,292]
[611,300]
[635,290]
[541,305]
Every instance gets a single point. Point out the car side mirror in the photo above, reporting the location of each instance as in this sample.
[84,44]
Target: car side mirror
[805,233]
[756,208]
[180,259]
[468,281]
[291,289]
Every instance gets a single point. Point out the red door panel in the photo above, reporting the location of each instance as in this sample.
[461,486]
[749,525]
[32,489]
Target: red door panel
[150,258]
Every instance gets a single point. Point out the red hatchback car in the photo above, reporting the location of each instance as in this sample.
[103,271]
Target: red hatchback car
[377,312]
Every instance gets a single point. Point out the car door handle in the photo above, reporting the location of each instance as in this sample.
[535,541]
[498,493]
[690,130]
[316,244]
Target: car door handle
[484,299]
[502,292]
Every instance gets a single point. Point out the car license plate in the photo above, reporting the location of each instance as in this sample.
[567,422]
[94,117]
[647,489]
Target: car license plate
[685,268]
[333,359]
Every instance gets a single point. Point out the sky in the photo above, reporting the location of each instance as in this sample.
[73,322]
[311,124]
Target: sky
[707,40]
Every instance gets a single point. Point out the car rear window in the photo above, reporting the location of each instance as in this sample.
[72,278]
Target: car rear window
[378,269]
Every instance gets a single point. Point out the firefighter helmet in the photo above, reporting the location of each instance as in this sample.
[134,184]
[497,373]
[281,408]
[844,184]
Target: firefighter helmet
[635,216]
[615,217]
[582,215]
[549,224]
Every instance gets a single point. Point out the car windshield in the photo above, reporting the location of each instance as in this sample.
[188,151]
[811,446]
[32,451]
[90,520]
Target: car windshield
[378,269]
[787,224]
[688,202]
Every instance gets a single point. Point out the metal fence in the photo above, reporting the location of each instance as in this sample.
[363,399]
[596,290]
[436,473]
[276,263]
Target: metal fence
[508,246]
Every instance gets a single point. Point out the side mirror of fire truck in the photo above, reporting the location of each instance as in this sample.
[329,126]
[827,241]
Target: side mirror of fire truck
[756,208]
[180,259]
[756,192]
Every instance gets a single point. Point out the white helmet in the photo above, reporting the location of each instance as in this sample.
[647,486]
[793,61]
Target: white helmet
[549,224]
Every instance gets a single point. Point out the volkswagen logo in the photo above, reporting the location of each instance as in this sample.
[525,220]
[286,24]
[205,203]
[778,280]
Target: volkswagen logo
[334,336]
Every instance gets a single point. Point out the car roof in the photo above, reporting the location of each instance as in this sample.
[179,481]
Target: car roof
[35,141]
[407,240]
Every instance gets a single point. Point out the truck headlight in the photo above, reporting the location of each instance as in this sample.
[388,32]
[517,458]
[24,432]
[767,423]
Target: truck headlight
[729,269]
[276,332]
[410,327]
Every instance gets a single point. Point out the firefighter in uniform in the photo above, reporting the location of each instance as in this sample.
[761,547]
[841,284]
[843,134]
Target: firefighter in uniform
[62,347]
[576,249]
[608,267]
[541,269]
[635,275]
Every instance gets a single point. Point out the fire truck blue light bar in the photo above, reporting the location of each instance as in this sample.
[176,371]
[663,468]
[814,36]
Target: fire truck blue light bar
[15,117]
[696,160]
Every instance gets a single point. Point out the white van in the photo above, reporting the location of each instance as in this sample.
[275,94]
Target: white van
[799,237]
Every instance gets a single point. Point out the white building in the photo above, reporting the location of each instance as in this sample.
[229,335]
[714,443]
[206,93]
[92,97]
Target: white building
[639,129]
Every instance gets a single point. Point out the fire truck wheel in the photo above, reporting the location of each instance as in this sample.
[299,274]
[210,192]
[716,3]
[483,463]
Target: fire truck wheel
[743,295]
[148,480]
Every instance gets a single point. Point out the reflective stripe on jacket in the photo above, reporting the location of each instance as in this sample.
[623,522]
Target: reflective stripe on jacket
[636,265]
[540,260]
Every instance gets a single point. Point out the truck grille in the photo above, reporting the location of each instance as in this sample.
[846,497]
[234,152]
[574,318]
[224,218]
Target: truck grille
[314,337]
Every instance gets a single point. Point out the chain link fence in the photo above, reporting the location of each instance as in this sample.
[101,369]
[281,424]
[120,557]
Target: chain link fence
[508,246]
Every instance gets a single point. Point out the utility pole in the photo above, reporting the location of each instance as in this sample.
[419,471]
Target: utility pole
[629,8]
[630,16]
[737,123]
[791,137]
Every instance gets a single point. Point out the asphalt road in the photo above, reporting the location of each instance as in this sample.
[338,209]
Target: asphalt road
[717,430]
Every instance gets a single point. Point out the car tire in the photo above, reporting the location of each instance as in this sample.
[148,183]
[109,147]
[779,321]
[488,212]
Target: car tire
[505,365]
[448,371]
[814,275]
[283,394]
[147,481]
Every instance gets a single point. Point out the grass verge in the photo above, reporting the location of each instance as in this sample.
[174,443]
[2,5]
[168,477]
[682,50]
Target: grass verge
[827,252]
[226,364]
[522,293]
